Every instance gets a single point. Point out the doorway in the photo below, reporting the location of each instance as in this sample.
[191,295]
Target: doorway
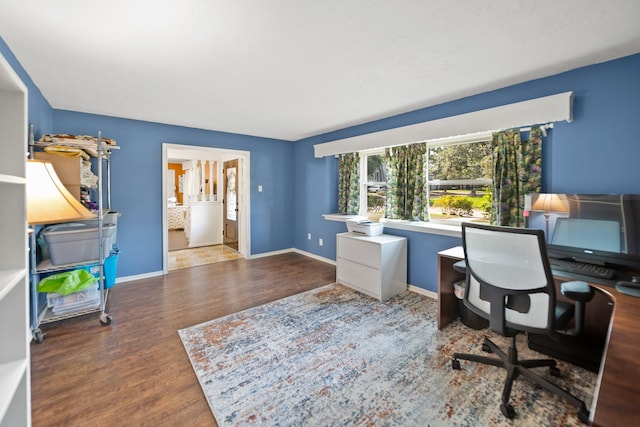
[205,197]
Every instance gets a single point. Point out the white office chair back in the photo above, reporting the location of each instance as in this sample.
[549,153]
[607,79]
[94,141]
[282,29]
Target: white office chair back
[509,260]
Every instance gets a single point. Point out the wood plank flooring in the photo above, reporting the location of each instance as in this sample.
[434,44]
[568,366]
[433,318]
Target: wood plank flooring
[136,372]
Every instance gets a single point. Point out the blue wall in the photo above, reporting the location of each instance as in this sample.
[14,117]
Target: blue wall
[136,183]
[137,175]
[596,153]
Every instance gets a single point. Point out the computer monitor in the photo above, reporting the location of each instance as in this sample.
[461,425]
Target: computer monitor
[601,229]
[602,235]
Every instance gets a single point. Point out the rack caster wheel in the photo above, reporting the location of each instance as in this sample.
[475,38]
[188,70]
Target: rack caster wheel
[486,348]
[555,372]
[38,335]
[507,410]
[105,320]
[455,364]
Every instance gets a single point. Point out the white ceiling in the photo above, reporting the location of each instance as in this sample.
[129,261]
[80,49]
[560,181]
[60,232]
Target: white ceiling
[290,69]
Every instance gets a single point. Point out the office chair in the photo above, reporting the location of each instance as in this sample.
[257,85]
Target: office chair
[509,282]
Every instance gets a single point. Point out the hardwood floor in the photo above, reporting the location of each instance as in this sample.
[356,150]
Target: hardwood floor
[136,372]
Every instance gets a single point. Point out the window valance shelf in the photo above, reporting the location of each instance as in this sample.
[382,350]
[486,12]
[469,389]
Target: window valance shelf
[546,109]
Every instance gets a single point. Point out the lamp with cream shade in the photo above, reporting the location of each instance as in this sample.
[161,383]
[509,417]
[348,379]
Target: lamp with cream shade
[48,201]
[548,203]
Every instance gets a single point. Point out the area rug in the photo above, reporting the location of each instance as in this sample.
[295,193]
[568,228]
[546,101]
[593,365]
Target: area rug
[335,357]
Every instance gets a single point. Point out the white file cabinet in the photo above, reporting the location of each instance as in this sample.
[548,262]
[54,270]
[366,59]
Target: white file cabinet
[376,266]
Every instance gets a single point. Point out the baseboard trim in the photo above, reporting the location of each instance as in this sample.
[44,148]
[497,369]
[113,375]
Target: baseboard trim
[422,291]
[314,256]
[139,277]
[272,253]
[298,251]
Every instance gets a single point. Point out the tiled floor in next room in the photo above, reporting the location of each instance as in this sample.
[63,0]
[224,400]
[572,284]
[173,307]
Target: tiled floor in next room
[180,256]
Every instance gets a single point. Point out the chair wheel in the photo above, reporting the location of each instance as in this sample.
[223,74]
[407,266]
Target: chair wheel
[583,415]
[455,364]
[507,410]
[555,372]
[486,348]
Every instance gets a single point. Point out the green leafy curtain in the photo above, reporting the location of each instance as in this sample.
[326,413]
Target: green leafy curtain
[407,196]
[349,184]
[517,170]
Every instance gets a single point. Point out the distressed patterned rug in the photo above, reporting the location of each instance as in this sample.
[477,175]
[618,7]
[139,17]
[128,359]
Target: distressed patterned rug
[333,356]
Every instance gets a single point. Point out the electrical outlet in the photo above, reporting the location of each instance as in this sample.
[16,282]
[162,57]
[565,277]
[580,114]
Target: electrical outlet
[320,242]
[308,236]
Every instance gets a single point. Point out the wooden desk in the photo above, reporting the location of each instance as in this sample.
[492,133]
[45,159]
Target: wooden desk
[616,400]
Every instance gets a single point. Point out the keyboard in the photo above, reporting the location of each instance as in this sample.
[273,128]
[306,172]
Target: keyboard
[582,268]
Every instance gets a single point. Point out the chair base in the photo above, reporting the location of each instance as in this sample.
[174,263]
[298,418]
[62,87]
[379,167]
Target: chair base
[515,368]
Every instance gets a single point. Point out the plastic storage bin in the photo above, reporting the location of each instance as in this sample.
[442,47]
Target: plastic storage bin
[110,217]
[73,243]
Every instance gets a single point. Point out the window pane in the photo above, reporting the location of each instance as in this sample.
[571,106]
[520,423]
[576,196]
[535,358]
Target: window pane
[376,184]
[460,182]
[231,195]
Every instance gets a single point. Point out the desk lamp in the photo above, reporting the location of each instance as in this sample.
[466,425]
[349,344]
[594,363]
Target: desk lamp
[549,203]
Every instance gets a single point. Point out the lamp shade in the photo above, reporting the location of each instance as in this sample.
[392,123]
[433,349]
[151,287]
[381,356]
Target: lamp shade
[48,201]
[550,203]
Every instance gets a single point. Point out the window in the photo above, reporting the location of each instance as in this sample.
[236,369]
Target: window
[459,181]
[374,191]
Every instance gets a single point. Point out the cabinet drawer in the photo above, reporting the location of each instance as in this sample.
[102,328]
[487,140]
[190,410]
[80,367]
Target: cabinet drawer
[361,277]
[360,251]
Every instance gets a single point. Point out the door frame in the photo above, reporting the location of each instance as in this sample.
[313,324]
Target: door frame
[244,214]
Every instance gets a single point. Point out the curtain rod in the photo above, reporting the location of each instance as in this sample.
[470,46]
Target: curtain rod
[542,127]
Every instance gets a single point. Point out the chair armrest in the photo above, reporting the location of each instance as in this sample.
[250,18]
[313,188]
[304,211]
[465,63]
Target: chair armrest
[577,291]
[581,293]
[460,266]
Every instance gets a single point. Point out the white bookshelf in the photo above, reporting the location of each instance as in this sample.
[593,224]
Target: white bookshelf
[15,395]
